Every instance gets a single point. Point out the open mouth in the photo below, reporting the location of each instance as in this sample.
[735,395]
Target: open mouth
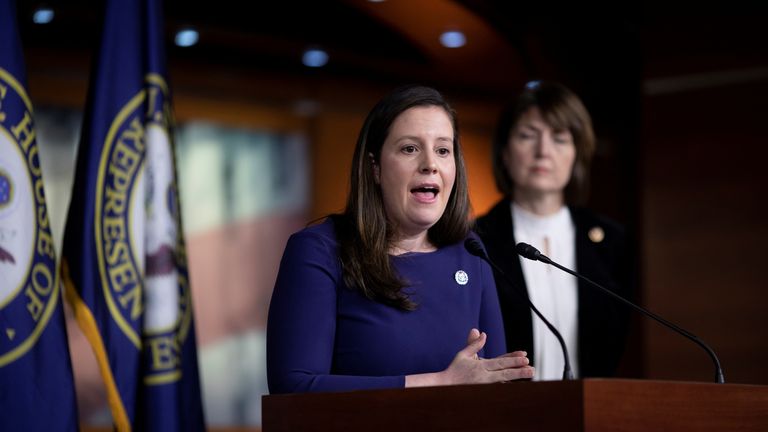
[426,192]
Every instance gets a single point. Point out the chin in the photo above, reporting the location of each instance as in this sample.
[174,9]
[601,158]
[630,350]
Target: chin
[425,222]
[546,187]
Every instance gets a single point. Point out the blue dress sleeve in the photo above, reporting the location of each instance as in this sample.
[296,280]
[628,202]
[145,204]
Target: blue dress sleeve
[301,324]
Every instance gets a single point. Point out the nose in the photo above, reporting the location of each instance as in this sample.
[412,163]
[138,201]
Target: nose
[545,145]
[428,164]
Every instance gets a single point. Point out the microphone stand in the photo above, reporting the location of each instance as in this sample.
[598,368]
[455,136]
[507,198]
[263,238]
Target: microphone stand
[474,247]
[532,253]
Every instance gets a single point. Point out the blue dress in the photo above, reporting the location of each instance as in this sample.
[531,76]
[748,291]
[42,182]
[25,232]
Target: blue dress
[323,336]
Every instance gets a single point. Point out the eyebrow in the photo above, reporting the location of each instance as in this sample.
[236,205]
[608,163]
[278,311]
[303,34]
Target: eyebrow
[528,126]
[538,129]
[416,138]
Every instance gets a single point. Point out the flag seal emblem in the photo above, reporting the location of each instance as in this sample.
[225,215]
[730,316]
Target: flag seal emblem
[140,249]
[29,283]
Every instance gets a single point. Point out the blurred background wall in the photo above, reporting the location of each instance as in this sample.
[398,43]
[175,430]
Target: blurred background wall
[264,144]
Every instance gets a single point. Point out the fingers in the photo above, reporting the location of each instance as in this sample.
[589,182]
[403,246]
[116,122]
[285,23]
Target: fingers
[515,354]
[468,368]
[505,362]
[473,334]
[516,374]
[474,345]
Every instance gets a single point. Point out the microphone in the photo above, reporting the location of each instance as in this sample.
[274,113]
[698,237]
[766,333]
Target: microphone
[527,251]
[475,248]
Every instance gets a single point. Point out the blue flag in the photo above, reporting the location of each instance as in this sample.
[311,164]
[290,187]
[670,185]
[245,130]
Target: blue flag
[124,261]
[36,387]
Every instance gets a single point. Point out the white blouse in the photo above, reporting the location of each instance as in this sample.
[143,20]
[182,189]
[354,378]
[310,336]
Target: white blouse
[553,292]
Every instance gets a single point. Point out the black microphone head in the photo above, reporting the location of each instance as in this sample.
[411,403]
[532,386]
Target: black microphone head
[527,251]
[475,248]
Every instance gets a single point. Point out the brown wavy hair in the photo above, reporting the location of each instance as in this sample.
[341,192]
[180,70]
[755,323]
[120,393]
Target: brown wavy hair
[363,231]
[562,110]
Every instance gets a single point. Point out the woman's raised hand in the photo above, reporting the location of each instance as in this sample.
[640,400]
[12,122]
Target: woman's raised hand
[468,368]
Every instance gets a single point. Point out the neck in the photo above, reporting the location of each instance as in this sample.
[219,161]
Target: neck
[541,204]
[404,243]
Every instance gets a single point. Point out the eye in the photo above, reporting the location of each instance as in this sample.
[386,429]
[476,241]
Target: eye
[525,135]
[563,138]
[409,149]
[443,151]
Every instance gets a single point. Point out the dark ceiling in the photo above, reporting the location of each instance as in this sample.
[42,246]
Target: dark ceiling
[269,37]
[251,51]
[600,52]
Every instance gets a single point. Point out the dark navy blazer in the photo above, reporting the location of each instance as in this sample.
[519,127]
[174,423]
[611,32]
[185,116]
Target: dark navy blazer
[603,321]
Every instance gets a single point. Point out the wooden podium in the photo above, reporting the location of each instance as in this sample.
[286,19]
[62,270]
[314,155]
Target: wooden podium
[582,405]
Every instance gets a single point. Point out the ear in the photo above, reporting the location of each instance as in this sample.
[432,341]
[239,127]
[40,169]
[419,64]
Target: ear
[376,169]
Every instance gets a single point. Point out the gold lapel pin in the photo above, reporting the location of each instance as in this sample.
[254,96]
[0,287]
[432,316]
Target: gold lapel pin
[596,234]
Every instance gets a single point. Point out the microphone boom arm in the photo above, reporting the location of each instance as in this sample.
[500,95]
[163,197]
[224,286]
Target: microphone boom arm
[532,253]
[475,249]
